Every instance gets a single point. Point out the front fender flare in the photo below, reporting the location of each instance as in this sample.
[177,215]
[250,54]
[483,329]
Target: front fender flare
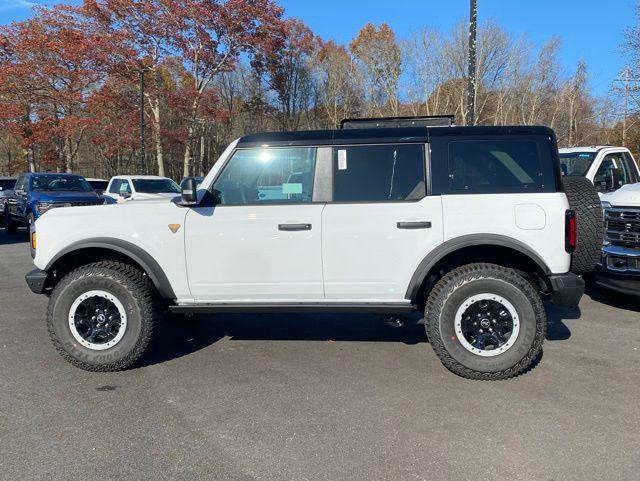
[136,253]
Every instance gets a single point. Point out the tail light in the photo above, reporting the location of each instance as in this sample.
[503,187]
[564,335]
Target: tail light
[570,237]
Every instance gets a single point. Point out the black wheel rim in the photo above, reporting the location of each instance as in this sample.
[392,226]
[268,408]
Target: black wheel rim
[97,320]
[487,324]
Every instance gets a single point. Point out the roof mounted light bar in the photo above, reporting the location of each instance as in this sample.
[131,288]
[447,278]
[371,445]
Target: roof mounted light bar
[395,122]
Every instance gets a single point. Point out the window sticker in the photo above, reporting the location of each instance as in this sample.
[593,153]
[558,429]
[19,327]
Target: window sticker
[292,188]
[342,159]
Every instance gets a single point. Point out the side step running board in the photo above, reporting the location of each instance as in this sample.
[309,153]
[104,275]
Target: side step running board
[384,308]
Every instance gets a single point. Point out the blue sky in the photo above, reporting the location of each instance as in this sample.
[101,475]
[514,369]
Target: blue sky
[589,29]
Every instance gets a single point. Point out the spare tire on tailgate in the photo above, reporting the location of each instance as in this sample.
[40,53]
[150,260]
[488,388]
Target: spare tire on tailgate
[584,201]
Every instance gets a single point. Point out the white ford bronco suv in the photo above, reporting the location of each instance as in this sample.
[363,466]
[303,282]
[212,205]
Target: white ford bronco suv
[473,225]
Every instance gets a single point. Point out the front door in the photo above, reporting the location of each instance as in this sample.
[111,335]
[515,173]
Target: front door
[381,223]
[262,241]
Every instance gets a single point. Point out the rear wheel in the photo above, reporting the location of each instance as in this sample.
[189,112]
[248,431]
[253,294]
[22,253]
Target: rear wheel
[485,321]
[101,317]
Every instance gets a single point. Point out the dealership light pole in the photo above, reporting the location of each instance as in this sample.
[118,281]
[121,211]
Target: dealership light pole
[471,81]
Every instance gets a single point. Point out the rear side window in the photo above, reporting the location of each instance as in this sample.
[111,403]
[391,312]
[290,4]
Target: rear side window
[494,165]
[379,173]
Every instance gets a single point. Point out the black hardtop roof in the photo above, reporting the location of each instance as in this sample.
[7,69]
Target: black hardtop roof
[381,135]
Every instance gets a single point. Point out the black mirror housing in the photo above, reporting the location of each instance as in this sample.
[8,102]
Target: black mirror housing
[189,191]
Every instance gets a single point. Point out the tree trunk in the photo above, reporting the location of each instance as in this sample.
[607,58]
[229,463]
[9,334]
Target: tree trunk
[186,164]
[202,153]
[157,134]
[68,156]
[28,154]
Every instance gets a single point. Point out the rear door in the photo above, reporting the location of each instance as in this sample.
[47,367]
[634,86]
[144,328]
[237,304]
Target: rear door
[262,241]
[381,222]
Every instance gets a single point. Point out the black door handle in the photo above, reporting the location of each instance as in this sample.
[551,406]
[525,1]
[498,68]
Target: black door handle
[289,227]
[414,225]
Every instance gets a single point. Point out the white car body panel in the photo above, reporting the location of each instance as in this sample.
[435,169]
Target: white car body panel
[145,224]
[626,196]
[474,214]
[237,252]
[366,255]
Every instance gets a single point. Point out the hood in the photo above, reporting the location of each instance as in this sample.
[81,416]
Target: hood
[627,195]
[49,196]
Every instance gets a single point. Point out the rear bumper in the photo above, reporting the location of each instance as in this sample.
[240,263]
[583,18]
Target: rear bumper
[566,289]
[36,280]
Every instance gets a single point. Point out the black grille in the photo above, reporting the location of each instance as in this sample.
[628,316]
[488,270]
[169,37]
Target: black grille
[80,204]
[623,226]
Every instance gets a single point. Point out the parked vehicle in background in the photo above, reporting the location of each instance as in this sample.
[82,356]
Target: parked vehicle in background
[99,185]
[473,225]
[6,188]
[616,176]
[137,187]
[36,193]
[608,167]
[619,268]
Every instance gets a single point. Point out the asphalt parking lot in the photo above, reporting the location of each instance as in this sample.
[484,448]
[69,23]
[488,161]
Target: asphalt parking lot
[317,397]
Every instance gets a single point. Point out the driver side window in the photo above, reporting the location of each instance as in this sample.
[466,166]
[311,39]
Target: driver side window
[267,175]
[614,172]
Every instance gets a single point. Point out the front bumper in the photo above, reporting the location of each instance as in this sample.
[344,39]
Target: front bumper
[36,280]
[566,289]
[619,270]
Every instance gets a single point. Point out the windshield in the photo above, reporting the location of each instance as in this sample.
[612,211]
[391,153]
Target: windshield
[576,164]
[155,186]
[98,184]
[55,183]
[7,184]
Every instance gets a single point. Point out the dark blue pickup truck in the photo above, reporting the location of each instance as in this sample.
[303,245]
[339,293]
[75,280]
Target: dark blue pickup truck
[34,194]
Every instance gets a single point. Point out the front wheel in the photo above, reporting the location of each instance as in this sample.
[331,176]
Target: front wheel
[102,316]
[485,321]
[9,224]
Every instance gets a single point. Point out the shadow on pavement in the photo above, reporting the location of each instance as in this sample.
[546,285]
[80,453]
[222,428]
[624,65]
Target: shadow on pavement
[557,330]
[22,237]
[181,336]
[619,301]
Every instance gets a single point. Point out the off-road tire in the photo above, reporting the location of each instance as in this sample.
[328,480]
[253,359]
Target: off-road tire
[583,199]
[10,226]
[136,293]
[448,295]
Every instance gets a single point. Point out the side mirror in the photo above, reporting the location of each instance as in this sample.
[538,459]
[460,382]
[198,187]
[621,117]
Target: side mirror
[189,191]
[125,195]
[20,192]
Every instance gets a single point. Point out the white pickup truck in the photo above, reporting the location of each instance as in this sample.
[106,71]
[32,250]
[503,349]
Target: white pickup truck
[615,175]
